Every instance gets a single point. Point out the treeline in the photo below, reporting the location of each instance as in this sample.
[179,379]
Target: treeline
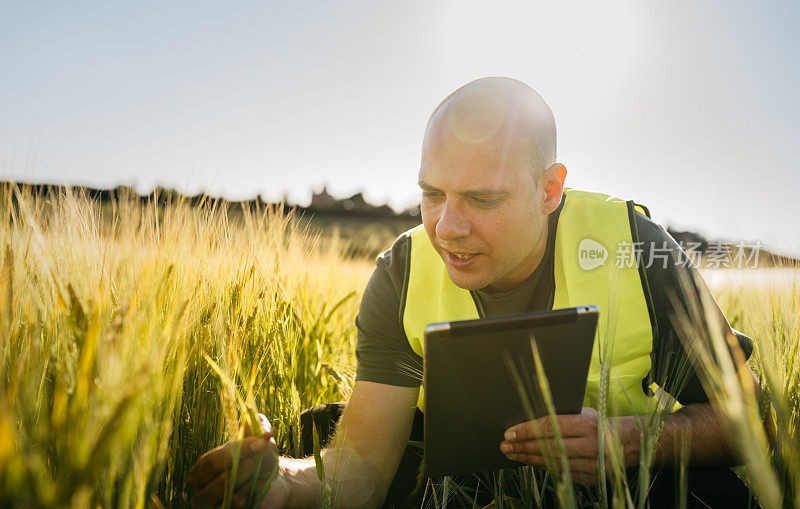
[354,206]
[356,212]
[718,254]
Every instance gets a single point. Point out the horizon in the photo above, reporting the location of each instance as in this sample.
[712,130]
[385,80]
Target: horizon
[375,211]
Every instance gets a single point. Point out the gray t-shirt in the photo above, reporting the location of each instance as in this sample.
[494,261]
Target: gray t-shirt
[385,356]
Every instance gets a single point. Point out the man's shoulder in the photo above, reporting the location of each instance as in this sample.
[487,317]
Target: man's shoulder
[648,229]
[660,253]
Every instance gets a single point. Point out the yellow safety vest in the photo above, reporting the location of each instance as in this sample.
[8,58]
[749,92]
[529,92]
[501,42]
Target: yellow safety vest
[589,225]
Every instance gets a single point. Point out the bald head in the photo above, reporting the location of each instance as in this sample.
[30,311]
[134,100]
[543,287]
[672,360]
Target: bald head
[497,115]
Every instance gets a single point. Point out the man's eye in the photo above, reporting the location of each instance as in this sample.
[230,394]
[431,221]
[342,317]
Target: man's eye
[430,194]
[485,203]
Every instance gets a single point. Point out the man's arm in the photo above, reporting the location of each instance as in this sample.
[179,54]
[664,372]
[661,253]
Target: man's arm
[359,464]
[698,425]
[712,441]
[533,442]
[703,431]
[363,457]
[375,427]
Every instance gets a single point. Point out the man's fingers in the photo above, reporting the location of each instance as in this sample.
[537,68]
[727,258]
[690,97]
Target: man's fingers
[214,492]
[582,447]
[575,464]
[529,459]
[216,461]
[264,426]
[570,426]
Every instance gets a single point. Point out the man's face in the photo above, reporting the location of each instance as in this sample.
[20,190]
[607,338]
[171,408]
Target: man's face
[482,210]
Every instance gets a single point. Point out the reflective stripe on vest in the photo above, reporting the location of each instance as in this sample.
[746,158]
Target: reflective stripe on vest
[589,225]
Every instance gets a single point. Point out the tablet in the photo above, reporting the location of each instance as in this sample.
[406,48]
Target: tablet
[480,379]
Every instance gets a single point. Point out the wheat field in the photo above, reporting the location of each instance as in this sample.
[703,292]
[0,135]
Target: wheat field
[135,337]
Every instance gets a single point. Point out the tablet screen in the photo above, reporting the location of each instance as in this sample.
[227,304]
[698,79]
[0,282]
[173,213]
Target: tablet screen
[480,379]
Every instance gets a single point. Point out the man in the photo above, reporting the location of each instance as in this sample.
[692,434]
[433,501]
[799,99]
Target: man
[496,221]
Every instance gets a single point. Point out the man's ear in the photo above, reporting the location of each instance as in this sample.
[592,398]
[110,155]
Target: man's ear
[552,181]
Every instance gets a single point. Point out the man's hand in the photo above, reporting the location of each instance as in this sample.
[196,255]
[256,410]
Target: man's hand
[533,442]
[210,477]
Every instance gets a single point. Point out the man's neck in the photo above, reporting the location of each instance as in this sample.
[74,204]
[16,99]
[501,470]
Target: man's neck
[525,270]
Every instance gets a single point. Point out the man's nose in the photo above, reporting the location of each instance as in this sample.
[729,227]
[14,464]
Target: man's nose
[452,224]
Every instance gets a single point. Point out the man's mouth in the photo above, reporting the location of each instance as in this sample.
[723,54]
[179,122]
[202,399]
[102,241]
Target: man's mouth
[463,256]
[460,259]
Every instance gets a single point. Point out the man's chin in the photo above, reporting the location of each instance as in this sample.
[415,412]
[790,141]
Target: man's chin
[466,282]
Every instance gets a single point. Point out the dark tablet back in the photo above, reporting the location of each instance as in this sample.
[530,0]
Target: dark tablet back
[480,379]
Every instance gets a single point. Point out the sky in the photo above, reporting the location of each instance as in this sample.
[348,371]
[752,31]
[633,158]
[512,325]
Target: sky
[690,108]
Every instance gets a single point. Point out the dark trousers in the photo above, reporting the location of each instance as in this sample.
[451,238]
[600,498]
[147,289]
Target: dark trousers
[706,487]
